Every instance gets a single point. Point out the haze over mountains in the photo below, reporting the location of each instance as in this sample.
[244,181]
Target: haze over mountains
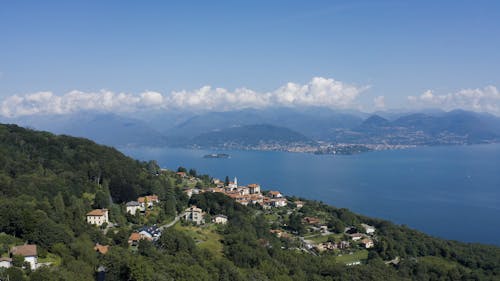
[277,125]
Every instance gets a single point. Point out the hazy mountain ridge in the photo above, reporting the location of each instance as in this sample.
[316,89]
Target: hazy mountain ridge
[454,127]
[250,136]
[159,129]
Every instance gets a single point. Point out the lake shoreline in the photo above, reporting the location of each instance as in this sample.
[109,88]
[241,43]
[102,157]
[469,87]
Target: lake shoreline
[421,187]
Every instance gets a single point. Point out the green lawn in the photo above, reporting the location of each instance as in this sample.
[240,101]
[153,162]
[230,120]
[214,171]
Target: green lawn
[441,262]
[206,237]
[323,238]
[356,256]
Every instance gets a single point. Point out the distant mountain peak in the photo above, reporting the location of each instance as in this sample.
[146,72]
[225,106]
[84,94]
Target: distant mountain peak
[375,120]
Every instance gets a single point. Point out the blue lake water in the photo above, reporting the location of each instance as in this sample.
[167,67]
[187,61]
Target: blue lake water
[451,192]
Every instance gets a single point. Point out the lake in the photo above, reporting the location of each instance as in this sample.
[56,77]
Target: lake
[451,192]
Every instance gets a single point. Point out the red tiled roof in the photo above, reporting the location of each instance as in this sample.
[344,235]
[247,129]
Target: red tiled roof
[149,198]
[24,250]
[103,249]
[97,212]
[134,236]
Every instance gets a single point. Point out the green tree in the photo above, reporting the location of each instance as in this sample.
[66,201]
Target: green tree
[59,207]
[17,260]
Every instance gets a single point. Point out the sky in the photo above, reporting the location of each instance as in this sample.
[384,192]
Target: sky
[66,56]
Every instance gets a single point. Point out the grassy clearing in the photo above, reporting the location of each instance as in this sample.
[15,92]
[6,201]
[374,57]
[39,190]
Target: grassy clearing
[354,257]
[323,238]
[206,237]
[441,262]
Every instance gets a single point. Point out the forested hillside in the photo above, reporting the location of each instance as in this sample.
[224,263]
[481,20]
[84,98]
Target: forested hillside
[48,183]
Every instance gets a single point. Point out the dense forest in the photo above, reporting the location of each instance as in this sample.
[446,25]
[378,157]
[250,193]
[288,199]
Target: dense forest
[48,183]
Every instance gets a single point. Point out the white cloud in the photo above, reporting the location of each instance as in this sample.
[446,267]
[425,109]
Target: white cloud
[379,102]
[486,99]
[318,92]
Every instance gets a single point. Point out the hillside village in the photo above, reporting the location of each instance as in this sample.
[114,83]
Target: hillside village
[317,237]
[313,235]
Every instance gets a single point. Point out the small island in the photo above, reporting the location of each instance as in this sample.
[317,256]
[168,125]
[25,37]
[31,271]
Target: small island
[217,155]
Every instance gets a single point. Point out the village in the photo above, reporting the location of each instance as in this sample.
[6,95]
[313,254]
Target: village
[316,238]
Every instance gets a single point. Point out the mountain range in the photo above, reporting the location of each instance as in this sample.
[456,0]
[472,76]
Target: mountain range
[277,125]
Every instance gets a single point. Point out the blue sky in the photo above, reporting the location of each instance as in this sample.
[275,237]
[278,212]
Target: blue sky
[439,52]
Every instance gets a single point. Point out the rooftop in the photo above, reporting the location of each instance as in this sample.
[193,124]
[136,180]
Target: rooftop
[97,212]
[26,250]
[132,204]
[103,249]
[134,236]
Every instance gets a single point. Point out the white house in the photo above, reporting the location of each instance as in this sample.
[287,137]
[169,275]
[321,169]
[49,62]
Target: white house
[254,188]
[98,216]
[5,262]
[243,190]
[219,219]
[275,194]
[368,243]
[194,214]
[29,252]
[279,202]
[368,228]
[356,236]
[299,204]
[132,207]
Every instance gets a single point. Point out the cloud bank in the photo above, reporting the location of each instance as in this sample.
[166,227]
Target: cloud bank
[317,92]
[324,92]
[486,99]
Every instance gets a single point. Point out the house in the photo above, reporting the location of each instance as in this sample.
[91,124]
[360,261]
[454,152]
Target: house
[280,202]
[98,217]
[5,262]
[311,220]
[181,174]
[243,190]
[299,204]
[148,201]
[29,252]
[256,199]
[323,229]
[133,239]
[356,236]
[220,219]
[151,233]
[194,214]
[368,228]
[254,188]
[132,207]
[279,233]
[368,243]
[216,189]
[326,246]
[102,249]
[274,194]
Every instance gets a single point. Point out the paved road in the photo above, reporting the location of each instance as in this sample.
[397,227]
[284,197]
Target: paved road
[176,219]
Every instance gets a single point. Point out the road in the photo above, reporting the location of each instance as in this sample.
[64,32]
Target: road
[176,219]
